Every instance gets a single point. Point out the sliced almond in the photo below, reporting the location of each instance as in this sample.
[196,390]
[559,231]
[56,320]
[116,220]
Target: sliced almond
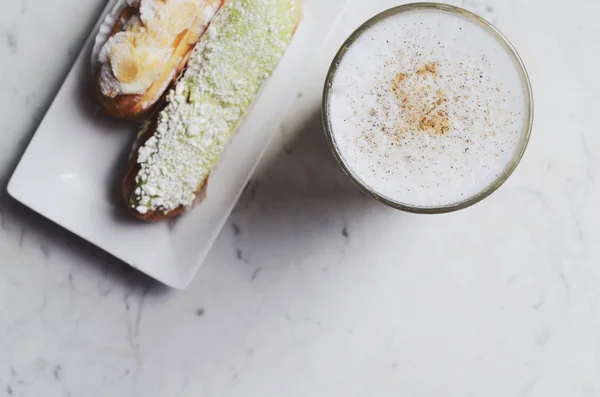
[204,18]
[180,16]
[151,65]
[158,36]
[124,62]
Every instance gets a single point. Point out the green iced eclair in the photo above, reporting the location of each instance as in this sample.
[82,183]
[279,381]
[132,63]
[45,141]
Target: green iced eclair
[185,139]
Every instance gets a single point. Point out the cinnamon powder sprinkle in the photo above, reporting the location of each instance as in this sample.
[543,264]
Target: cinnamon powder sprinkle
[400,77]
[429,67]
[423,107]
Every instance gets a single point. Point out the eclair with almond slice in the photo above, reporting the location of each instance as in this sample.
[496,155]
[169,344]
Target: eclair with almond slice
[148,48]
[178,148]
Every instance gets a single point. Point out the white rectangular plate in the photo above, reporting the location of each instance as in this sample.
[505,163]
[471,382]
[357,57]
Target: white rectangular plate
[72,169]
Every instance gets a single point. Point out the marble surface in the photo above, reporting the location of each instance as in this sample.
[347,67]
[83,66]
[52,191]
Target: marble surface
[311,288]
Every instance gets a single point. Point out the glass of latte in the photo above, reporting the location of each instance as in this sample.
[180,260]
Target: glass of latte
[428,108]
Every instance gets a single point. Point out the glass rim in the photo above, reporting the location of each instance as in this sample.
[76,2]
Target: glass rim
[512,52]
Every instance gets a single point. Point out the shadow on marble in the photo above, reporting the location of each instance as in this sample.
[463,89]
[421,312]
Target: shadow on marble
[51,238]
[304,171]
[299,200]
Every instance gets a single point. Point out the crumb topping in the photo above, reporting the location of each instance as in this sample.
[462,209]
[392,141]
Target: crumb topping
[241,49]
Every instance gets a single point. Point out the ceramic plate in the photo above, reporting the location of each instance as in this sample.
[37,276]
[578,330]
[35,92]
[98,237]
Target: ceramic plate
[72,169]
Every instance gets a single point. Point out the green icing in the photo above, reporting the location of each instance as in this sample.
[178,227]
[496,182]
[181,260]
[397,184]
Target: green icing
[230,63]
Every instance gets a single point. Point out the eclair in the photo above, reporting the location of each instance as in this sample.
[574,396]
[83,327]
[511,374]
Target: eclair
[177,149]
[149,46]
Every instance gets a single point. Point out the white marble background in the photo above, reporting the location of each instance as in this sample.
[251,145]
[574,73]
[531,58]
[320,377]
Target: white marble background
[312,289]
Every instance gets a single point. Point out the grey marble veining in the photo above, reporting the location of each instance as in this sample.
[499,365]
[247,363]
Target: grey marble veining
[311,288]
